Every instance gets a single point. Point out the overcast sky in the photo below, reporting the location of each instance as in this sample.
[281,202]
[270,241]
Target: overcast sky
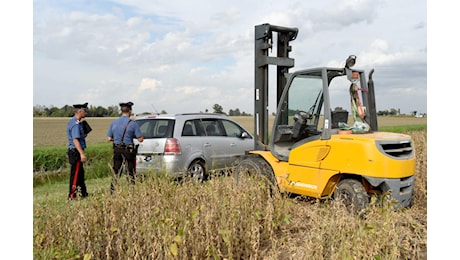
[186,56]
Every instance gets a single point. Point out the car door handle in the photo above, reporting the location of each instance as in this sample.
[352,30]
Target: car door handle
[207,144]
[232,144]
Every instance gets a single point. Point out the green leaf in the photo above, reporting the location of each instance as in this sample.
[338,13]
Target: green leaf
[178,239]
[173,248]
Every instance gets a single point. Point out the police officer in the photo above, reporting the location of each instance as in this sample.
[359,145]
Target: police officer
[121,132]
[76,155]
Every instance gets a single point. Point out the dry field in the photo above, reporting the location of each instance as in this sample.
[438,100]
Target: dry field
[218,220]
[51,131]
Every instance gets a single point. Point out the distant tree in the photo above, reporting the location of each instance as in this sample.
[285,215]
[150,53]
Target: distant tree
[413,113]
[58,113]
[163,112]
[235,112]
[68,110]
[393,112]
[113,111]
[382,113]
[39,111]
[339,109]
[53,111]
[97,111]
[245,114]
[218,109]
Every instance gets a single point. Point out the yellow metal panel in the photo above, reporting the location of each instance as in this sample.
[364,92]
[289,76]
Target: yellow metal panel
[358,154]
[309,181]
[279,167]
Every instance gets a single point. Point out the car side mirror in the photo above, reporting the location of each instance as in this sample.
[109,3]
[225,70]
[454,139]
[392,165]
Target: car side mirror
[244,135]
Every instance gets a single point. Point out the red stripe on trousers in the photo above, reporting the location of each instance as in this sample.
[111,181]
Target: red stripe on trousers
[75,177]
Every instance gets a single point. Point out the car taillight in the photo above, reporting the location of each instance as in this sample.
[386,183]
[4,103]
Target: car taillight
[172,146]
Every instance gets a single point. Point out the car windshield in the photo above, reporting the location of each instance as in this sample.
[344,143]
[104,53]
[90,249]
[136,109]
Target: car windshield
[156,128]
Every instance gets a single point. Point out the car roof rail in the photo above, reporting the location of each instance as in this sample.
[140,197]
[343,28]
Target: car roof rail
[192,114]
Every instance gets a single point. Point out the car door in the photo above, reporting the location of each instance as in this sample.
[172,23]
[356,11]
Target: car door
[191,142]
[215,145]
[237,140]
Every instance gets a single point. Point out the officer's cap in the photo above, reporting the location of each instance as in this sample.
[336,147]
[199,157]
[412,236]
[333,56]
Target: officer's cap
[127,104]
[81,105]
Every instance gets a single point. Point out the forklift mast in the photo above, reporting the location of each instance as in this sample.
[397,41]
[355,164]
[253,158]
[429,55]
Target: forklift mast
[263,43]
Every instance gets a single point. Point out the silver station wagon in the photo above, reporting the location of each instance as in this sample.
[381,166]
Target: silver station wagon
[190,145]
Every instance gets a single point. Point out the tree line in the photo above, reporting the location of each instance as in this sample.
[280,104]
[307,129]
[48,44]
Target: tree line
[218,109]
[69,110]
[114,111]
[111,111]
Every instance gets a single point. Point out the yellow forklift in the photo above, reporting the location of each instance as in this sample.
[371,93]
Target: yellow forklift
[313,150]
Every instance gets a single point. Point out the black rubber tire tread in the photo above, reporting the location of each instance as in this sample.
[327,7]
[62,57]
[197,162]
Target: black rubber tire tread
[256,166]
[352,193]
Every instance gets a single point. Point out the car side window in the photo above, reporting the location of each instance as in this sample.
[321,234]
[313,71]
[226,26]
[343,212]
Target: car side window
[211,127]
[189,129]
[231,129]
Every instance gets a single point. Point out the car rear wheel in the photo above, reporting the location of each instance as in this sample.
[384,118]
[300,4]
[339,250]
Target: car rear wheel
[197,171]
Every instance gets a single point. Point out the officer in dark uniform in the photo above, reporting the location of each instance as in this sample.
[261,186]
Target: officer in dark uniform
[76,138]
[121,132]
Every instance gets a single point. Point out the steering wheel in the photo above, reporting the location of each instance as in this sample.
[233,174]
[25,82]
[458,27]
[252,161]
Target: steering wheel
[300,118]
[302,114]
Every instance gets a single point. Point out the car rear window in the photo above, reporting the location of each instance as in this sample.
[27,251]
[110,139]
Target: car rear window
[156,128]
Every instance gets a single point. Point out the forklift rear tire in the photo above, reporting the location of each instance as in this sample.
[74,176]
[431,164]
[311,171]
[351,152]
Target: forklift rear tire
[352,193]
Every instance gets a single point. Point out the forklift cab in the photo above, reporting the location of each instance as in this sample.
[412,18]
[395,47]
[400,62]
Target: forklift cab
[304,112]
